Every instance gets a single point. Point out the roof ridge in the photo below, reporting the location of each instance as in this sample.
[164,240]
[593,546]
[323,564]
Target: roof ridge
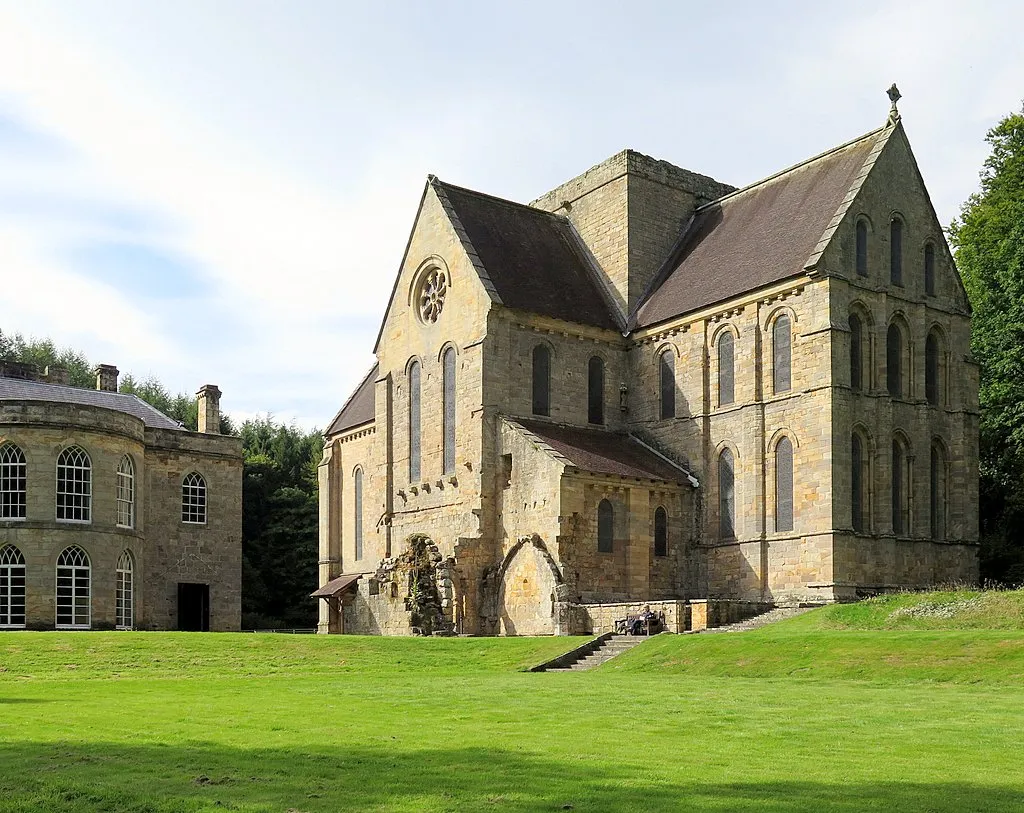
[781,172]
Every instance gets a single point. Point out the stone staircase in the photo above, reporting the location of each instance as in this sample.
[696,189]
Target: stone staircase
[770,617]
[606,648]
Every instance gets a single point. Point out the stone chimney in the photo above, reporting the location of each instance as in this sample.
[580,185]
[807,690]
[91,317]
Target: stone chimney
[106,378]
[56,374]
[209,409]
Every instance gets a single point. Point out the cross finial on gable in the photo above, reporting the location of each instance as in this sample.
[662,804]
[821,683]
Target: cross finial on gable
[894,96]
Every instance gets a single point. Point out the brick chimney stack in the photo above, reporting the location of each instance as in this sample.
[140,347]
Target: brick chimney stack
[209,409]
[106,378]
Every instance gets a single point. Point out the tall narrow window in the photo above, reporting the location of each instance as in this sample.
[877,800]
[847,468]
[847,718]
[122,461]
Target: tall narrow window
[894,361]
[660,532]
[12,588]
[74,486]
[193,499]
[899,490]
[541,380]
[449,410]
[784,485]
[74,589]
[856,353]
[605,527]
[124,599]
[595,390]
[414,422]
[725,368]
[862,248]
[937,492]
[932,370]
[857,480]
[782,346]
[13,482]
[667,378]
[929,270]
[358,509]
[126,493]
[726,495]
[896,251]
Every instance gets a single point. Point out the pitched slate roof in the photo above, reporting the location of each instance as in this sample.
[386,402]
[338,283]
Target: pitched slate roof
[359,408]
[602,452]
[13,389]
[758,235]
[528,259]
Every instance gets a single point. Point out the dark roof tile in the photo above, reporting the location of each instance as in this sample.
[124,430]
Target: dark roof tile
[20,390]
[359,408]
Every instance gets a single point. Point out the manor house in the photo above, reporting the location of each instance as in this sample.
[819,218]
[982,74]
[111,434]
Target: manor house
[113,515]
[649,386]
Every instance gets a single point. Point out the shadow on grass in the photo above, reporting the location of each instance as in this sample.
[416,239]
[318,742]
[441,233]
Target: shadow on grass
[69,778]
[12,700]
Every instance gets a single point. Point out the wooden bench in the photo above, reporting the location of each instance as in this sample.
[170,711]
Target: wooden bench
[654,623]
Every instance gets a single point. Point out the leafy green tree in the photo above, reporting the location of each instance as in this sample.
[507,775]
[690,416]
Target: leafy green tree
[43,353]
[988,241]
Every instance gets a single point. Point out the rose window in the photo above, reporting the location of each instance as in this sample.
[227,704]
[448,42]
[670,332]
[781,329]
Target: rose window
[431,297]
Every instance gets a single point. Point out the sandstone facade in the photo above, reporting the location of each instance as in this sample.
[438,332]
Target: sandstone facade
[642,387]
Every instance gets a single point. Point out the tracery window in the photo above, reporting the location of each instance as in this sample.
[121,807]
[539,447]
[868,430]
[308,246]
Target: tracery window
[595,390]
[894,361]
[782,352]
[74,589]
[667,380]
[933,383]
[12,588]
[124,604]
[13,482]
[431,294]
[414,422]
[126,493]
[784,485]
[862,248]
[605,527]
[541,380]
[856,353]
[725,368]
[448,372]
[193,499]
[900,489]
[929,270]
[74,486]
[896,251]
[660,532]
[726,495]
[358,507]
[937,491]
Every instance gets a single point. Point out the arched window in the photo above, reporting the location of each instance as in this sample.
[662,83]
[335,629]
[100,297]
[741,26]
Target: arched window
[896,251]
[541,380]
[858,479]
[725,368]
[448,362]
[782,352]
[862,248]
[74,486]
[605,527]
[660,532]
[414,422]
[894,361]
[126,493]
[667,379]
[856,353]
[900,489]
[929,270]
[13,482]
[193,499]
[784,485]
[74,589]
[12,588]
[124,599]
[933,383]
[726,495]
[358,509]
[937,492]
[595,390]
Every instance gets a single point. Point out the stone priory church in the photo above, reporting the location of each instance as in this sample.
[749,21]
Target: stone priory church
[649,387]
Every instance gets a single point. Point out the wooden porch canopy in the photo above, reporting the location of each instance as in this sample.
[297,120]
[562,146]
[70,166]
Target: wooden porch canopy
[336,586]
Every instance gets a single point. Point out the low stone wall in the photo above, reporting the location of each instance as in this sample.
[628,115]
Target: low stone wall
[680,616]
[707,613]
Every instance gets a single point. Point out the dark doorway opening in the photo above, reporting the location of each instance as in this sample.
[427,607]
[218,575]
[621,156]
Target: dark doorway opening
[193,607]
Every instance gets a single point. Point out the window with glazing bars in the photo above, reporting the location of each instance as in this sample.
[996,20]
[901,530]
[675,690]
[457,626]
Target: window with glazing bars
[124,604]
[74,486]
[193,499]
[74,589]
[13,482]
[126,493]
[12,588]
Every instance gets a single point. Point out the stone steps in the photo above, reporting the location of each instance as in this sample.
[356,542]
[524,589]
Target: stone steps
[613,646]
[770,617]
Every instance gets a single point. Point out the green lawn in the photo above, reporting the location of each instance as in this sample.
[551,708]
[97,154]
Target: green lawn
[806,715]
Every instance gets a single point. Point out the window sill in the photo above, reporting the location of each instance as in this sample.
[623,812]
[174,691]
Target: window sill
[74,521]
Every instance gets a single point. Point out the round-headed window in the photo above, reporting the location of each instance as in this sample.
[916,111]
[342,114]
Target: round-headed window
[431,294]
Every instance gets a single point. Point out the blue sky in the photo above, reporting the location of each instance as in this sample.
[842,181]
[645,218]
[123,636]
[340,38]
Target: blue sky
[221,192]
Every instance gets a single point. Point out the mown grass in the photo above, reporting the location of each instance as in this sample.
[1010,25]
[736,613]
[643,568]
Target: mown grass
[190,722]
